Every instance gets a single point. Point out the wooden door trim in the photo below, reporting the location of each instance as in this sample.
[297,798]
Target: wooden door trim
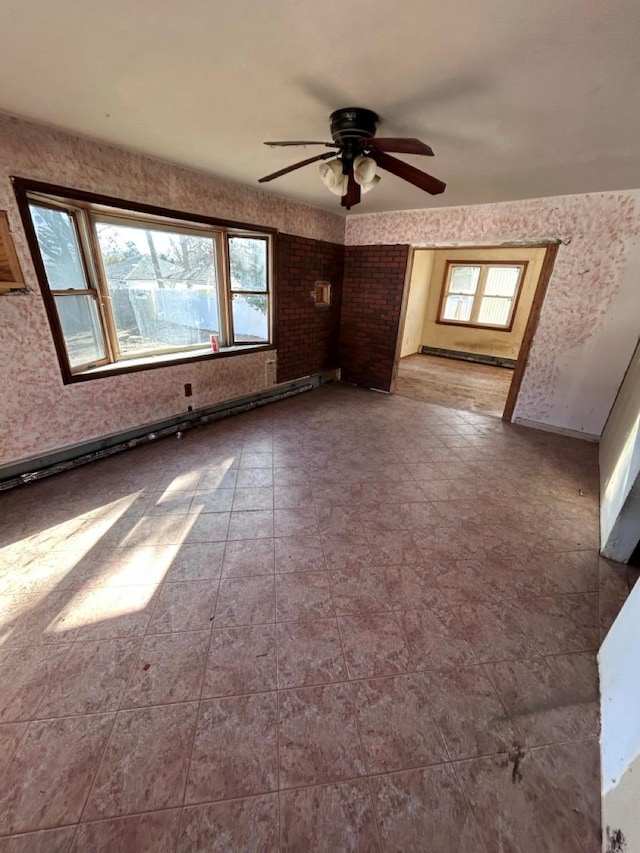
[530,330]
[403,317]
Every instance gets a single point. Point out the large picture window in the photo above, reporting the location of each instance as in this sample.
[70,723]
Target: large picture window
[125,289]
[481,295]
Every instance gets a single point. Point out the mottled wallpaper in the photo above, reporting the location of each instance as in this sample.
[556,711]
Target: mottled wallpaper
[37,412]
[587,332]
[590,320]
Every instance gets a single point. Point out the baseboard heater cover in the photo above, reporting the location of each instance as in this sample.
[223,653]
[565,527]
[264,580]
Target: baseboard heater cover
[495,360]
[64,460]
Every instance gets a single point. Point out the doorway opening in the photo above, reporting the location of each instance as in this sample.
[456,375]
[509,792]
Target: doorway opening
[468,319]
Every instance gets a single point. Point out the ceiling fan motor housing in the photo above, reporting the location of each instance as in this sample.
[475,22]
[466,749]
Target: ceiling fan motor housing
[352,123]
[348,126]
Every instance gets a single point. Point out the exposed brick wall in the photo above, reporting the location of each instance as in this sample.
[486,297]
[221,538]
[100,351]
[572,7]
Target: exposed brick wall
[360,329]
[308,337]
[372,291]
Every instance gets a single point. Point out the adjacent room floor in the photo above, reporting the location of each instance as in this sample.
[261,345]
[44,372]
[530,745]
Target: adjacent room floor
[346,621]
[456,384]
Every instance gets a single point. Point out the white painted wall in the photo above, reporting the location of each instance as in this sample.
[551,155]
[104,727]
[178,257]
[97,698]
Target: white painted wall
[588,373]
[620,470]
[417,301]
[619,664]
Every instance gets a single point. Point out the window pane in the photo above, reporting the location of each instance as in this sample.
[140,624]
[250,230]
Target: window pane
[502,281]
[81,328]
[464,279]
[163,287]
[250,323]
[458,308]
[248,263]
[494,311]
[58,244]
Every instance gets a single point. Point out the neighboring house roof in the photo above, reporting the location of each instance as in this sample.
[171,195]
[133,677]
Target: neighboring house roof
[203,273]
[117,273]
[144,270]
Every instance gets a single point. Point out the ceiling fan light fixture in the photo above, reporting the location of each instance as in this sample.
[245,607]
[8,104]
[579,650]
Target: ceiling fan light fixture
[364,170]
[341,187]
[364,188]
[332,177]
[331,173]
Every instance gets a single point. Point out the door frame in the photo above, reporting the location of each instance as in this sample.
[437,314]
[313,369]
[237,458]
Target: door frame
[551,247]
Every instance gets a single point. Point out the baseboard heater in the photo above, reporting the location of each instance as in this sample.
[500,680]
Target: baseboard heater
[495,360]
[72,457]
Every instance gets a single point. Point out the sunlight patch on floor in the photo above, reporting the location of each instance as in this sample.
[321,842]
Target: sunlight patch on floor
[129,577]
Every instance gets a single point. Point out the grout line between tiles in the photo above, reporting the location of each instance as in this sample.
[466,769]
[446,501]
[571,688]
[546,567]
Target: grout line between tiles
[275,631]
[467,800]
[197,719]
[355,711]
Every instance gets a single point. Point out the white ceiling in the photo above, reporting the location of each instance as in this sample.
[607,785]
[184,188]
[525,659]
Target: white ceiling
[519,98]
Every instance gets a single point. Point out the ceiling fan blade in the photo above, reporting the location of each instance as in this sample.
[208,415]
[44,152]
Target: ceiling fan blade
[326,144]
[296,166]
[409,173]
[352,195]
[400,146]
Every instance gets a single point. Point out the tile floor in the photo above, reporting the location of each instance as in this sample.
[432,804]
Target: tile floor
[341,622]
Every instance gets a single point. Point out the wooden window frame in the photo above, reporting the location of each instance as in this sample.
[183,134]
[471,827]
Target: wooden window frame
[8,251]
[479,294]
[218,238]
[79,226]
[90,208]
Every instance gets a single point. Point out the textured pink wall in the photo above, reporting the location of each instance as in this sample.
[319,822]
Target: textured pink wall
[37,412]
[587,331]
[591,317]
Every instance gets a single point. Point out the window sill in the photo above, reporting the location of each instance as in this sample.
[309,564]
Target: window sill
[465,325]
[169,360]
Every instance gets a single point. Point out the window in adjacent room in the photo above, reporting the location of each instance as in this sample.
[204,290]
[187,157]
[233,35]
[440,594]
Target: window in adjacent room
[481,295]
[123,288]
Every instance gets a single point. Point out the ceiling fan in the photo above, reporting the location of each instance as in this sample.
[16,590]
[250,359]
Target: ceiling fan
[352,165]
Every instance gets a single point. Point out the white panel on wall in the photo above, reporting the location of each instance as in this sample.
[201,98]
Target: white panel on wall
[620,470]
[619,665]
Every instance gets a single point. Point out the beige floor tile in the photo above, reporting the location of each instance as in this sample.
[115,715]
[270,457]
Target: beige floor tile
[145,764]
[47,782]
[235,748]
[169,668]
[249,824]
